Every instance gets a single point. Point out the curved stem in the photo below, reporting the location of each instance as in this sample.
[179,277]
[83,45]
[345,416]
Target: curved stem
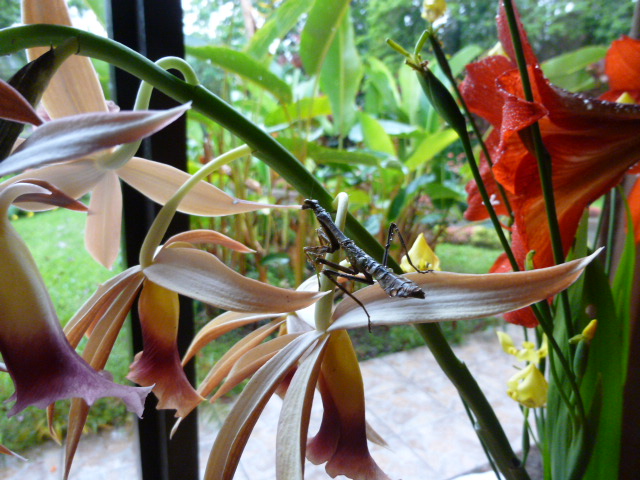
[123,153]
[168,210]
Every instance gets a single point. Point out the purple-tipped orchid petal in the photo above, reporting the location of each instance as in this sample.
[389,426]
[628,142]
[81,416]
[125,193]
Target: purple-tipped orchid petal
[15,107]
[80,135]
[42,364]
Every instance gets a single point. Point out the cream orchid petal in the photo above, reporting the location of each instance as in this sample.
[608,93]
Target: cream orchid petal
[209,236]
[224,365]
[159,182]
[453,296]
[219,326]
[74,137]
[201,276]
[75,179]
[5,451]
[15,107]
[233,436]
[75,88]
[102,235]
[125,284]
[96,353]
[251,361]
[293,424]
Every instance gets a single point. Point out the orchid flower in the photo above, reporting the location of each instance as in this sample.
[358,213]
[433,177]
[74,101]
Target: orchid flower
[75,89]
[43,365]
[177,267]
[317,349]
[592,144]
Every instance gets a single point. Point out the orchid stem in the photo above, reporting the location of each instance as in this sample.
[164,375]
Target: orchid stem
[124,153]
[165,215]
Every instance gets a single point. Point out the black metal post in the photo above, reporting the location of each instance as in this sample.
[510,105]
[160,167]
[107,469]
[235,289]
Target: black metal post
[154,28]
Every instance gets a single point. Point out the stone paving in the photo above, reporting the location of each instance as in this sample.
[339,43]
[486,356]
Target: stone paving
[409,402]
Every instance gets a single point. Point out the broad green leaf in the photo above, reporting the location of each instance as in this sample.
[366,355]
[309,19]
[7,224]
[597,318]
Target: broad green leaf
[463,57]
[246,67]
[572,62]
[411,97]
[375,138]
[322,26]
[382,86]
[341,75]
[321,154]
[283,19]
[98,7]
[439,191]
[304,109]
[430,146]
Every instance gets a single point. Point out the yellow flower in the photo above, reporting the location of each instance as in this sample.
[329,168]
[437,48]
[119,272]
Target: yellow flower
[421,256]
[529,387]
[433,9]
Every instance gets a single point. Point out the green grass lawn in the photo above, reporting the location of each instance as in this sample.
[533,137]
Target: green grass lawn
[56,240]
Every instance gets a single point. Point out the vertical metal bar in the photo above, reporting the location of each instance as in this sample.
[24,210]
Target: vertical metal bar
[154,28]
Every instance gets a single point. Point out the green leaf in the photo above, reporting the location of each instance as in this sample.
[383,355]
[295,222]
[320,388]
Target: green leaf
[607,363]
[463,57]
[321,154]
[569,70]
[319,31]
[246,67]
[341,75]
[430,146]
[382,86]
[375,138]
[304,109]
[98,7]
[283,19]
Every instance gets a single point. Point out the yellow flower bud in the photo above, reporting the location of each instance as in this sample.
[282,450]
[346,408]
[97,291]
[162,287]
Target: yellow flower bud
[421,256]
[625,98]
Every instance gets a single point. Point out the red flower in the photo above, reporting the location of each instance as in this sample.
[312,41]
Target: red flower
[592,144]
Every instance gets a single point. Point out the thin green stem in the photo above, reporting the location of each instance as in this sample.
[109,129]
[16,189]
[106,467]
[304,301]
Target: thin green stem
[444,65]
[488,426]
[542,155]
[165,215]
[123,153]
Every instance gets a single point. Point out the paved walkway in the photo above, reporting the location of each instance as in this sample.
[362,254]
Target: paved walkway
[409,402]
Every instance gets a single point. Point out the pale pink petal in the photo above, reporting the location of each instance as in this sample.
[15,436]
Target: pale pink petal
[454,296]
[209,236]
[159,182]
[251,361]
[102,235]
[219,326]
[235,431]
[201,276]
[75,87]
[74,137]
[75,179]
[15,107]
[293,424]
